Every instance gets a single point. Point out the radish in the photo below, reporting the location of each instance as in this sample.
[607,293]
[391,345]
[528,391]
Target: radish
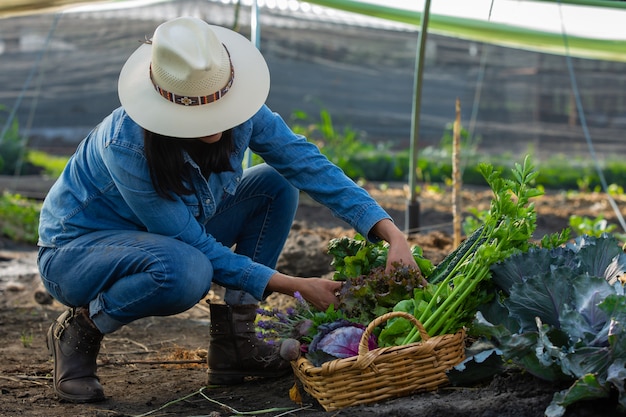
[290,349]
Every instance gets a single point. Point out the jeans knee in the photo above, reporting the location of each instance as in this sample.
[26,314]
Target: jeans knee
[185,285]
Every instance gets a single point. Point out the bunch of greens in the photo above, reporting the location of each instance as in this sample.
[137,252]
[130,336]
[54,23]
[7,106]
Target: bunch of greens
[369,290]
[561,314]
[353,257]
[460,283]
[365,297]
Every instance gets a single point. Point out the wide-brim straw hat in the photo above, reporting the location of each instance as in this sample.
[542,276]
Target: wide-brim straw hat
[193,80]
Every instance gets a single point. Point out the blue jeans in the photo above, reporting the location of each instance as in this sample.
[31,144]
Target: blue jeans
[127,275]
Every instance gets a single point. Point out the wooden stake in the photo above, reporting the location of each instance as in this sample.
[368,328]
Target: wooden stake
[456,176]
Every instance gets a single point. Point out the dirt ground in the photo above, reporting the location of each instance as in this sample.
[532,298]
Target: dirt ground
[157,366]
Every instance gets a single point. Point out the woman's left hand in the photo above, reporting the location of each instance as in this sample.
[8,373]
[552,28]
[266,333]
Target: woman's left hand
[319,292]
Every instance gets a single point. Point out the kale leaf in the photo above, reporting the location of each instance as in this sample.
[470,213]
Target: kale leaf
[561,315]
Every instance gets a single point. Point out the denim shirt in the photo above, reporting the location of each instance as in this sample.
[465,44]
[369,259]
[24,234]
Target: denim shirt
[106,185]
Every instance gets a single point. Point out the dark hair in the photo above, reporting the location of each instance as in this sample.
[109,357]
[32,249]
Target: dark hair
[166,163]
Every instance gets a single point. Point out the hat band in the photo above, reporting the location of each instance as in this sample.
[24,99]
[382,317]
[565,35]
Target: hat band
[195,100]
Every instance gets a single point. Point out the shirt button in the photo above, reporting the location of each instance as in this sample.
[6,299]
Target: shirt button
[207,201]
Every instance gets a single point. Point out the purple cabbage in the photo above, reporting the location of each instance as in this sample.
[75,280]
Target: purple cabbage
[337,340]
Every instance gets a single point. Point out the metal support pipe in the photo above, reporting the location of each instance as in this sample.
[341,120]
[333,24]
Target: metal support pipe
[412,208]
[255,38]
[255,28]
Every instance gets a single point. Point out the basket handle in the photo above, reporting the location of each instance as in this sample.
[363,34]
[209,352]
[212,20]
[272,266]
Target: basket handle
[363,344]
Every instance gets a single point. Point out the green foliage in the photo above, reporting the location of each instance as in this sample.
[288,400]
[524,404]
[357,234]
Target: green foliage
[341,148]
[27,338]
[615,190]
[369,290]
[11,146]
[336,145]
[462,283]
[555,240]
[583,225]
[13,151]
[362,160]
[52,165]
[559,315]
[353,257]
[19,218]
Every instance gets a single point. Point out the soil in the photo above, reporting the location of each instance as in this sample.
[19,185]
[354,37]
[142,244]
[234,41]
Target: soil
[157,366]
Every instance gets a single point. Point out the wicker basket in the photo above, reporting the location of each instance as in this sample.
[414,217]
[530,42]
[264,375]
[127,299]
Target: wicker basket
[382,373]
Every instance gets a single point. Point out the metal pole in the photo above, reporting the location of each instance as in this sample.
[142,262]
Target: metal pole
[255,28]
[255,38]
[31,75]
[412,207]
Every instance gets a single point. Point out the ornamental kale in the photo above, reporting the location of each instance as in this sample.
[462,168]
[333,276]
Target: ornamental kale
[561,315]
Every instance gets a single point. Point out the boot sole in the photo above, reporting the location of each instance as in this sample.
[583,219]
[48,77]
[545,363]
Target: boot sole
[238,377]
[62,395]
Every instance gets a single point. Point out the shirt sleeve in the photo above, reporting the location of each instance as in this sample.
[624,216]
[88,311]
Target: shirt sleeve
[301,162]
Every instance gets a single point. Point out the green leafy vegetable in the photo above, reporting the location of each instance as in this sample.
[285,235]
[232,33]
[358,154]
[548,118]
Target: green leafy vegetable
[369,290]
[462,282]
[561,315]
[365,297]
[356,256]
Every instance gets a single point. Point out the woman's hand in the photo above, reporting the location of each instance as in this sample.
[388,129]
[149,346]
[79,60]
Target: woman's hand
[399,249]
[318,292]
[400,253]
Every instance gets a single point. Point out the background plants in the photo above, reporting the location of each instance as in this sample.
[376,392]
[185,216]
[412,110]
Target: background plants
[358,158]
[19,218]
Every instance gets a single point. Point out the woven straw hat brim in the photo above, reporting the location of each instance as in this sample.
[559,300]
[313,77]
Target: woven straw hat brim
[156,114]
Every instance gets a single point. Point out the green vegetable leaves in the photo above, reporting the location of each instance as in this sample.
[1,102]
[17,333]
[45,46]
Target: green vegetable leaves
[462,279]
[355,256]
[369,290]
[563,317]
[365,297]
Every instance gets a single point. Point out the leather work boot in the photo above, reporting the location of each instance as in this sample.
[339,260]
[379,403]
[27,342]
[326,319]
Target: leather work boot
[74,343]
[234,350]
